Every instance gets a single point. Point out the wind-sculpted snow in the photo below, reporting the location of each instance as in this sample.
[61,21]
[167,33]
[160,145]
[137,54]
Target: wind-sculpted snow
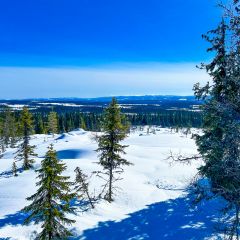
[152,202]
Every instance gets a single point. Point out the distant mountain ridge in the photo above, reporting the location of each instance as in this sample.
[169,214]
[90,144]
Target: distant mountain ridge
[108,98]
[128,104]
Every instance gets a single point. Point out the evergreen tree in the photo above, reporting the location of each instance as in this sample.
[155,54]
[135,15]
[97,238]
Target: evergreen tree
[109,147]
[53,123]
[40,128]
[51,202]
[26,151]
[9,128]
[81,187]
[62,124]
[14,169]
[219,145]
[82,123]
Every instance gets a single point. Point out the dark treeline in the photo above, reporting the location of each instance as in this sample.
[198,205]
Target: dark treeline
[92,121]
[68,121]
[167,118]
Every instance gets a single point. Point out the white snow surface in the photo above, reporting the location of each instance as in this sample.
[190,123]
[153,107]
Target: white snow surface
[138,192]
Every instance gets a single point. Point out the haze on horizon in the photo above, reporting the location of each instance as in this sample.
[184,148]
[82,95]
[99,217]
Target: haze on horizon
[103,48]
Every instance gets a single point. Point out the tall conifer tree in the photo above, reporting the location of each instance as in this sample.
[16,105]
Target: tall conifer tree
[219,145]
[51,202]
[26,151]
[82,123]
[9,128]
[109,147]
[53,123]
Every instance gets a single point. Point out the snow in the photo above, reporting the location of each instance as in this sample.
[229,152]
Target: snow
[129,106]
[62,104]
[182,99]
[152,202]
[18,107]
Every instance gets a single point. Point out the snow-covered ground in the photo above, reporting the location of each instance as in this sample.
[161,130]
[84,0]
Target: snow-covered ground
[152,201]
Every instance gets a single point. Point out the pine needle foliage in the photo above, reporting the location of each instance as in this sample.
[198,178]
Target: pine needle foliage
[82,123]
[219,145]
[26,151]
[51,202]
[109,148]
[53,123]
[81,187]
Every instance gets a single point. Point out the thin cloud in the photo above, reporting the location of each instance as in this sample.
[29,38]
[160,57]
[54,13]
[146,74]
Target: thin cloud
[122,79]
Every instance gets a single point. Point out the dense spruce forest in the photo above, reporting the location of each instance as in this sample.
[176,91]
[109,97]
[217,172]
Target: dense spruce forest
[68,120]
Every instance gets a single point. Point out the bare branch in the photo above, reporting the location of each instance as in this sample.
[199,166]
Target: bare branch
[179,158]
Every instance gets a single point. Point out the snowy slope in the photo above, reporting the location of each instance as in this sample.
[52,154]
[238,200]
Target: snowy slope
[140,211]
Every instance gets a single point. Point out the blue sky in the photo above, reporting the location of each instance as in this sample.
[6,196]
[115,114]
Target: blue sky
[60,46]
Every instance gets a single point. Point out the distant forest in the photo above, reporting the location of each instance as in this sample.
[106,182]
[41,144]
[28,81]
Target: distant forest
[68,121]
[170,113]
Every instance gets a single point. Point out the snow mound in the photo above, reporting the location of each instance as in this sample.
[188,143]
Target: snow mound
[77,132]
[63,136]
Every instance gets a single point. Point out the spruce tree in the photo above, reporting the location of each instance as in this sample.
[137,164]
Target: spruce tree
[51,202]
[81,187]
[9,128]
[26,151]
[40,128]
[109,148]
[53,123]
[219,145]
[82,123]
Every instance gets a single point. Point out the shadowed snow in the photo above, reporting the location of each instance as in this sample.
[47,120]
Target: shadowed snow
[72,154]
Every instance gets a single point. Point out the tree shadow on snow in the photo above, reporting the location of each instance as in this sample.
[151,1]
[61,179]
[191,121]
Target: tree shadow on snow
[19,217]
[13,219]
[8,174]
[81,205]
[71,154]
[171,220]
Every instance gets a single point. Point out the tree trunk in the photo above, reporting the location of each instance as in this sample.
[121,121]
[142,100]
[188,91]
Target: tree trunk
[110,184]
[88,195]
[90,200]
[110,199]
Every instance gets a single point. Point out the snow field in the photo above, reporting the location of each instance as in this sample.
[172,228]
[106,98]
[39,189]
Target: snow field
[138,188]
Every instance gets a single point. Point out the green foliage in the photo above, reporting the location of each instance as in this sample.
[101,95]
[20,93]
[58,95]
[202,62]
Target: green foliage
[26,151]
[82,123]
[8,126]
[63,121]
[26,122]
[81,187]
[51,202]
[109,147]
[52,123]
[219,145]
[40,127]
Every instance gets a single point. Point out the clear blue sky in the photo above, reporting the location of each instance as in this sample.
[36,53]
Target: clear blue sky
[115,37]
